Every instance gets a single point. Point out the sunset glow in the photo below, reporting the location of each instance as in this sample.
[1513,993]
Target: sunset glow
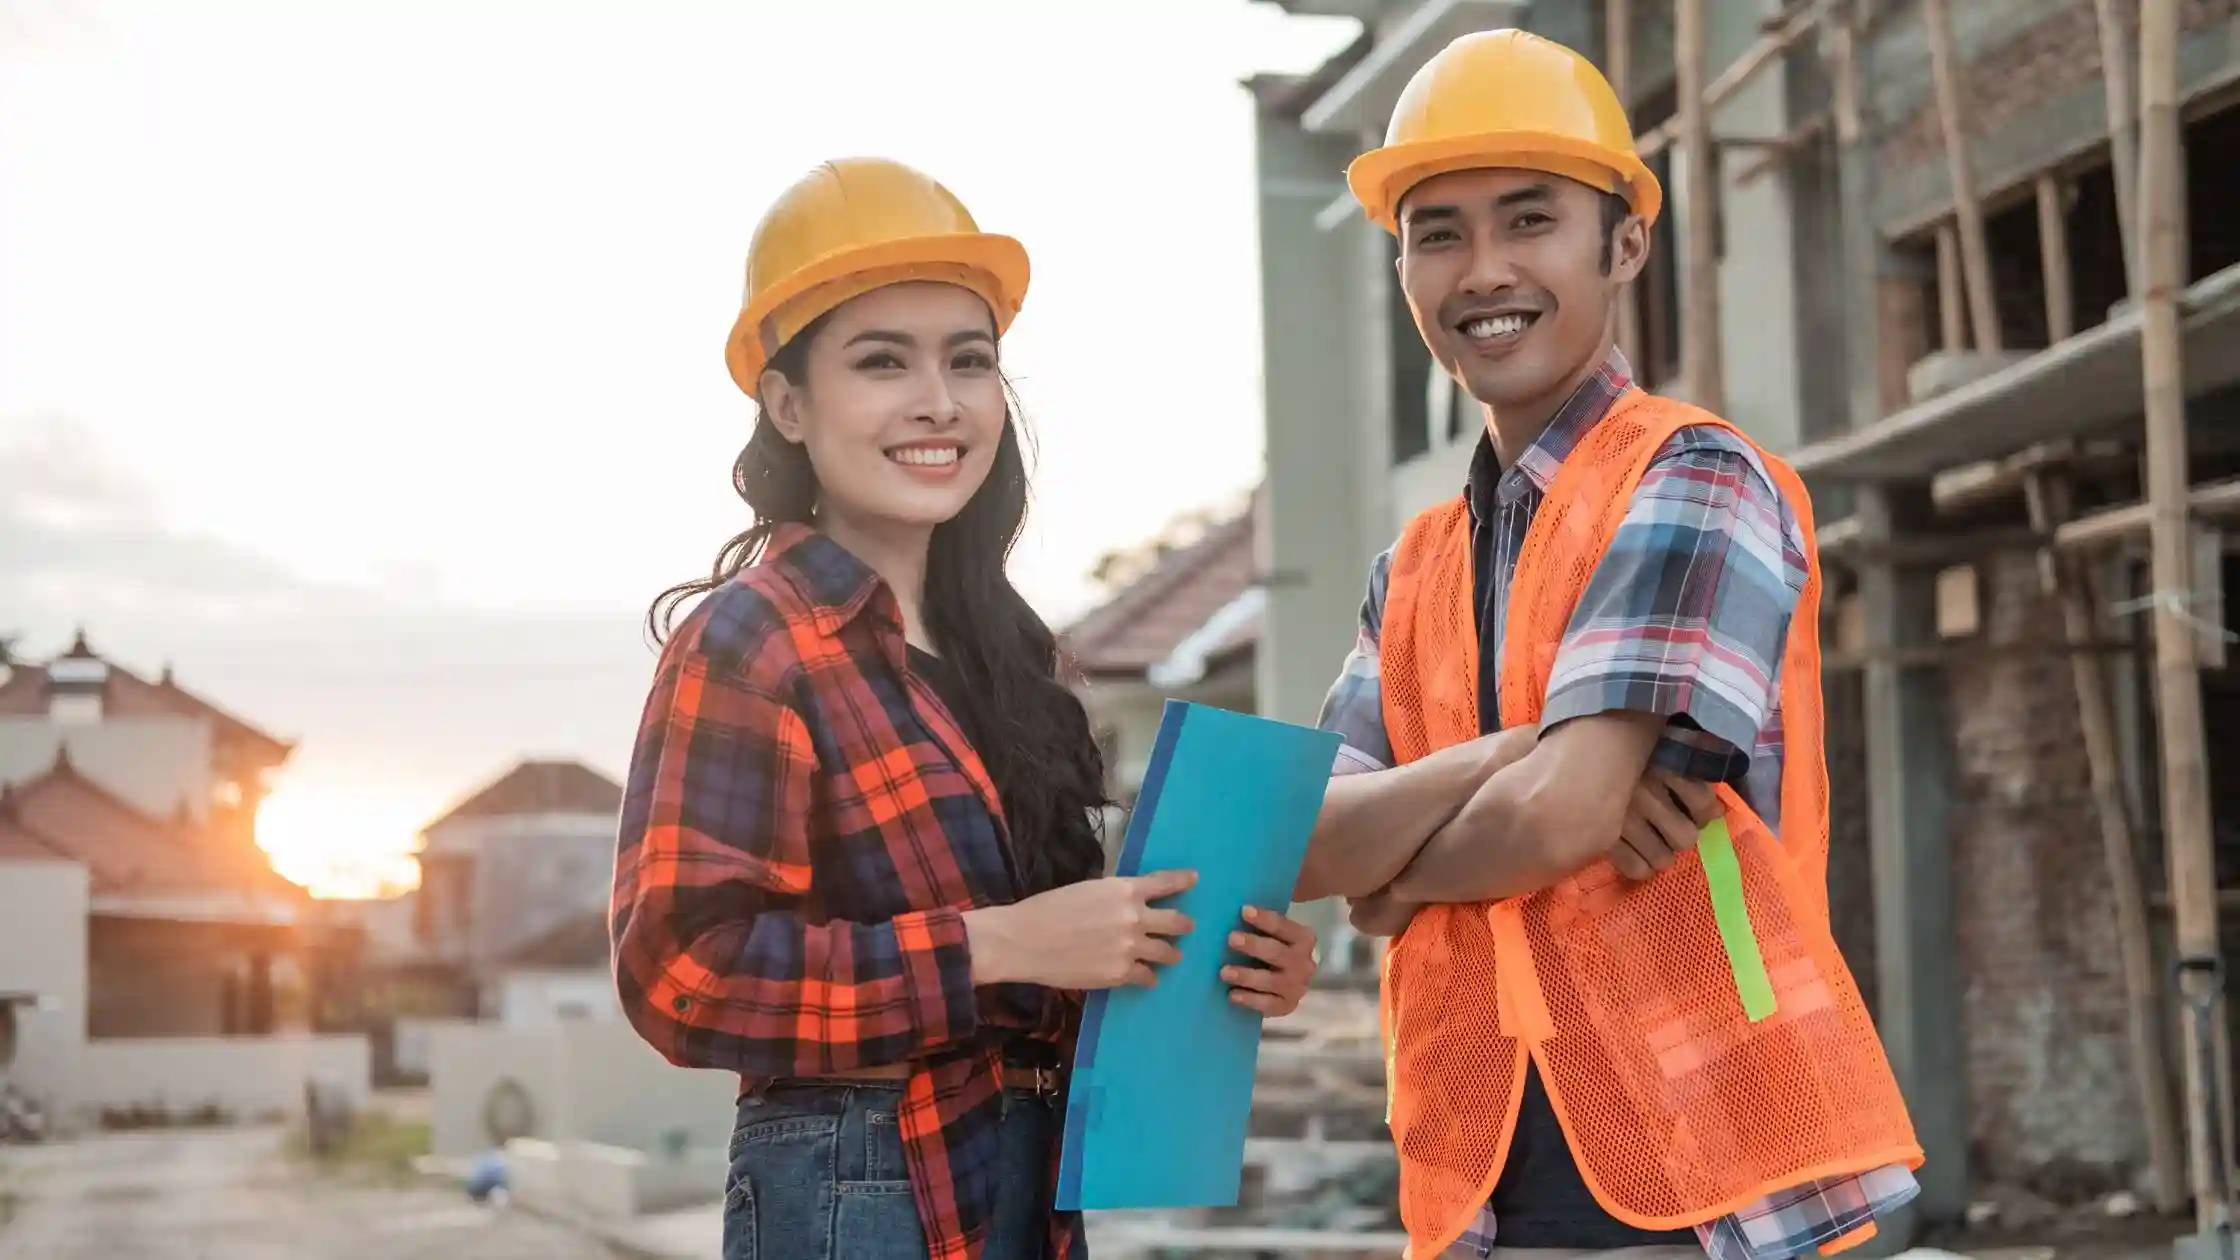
[339,841]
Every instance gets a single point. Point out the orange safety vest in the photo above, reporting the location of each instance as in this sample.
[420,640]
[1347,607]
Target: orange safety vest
[1678,1108]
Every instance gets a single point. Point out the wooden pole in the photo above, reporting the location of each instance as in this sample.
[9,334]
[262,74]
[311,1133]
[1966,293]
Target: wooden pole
[1699,337]
[2123,155]
[1617,32]
[2050,497]
[2185,779]
[1952,315]
[1975,253]
[1798,23]
[2053,252]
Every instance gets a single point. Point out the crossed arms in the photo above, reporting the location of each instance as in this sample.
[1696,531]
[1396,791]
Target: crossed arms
[1501,816]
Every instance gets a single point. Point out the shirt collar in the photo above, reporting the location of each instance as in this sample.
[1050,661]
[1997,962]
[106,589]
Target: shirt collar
[836,584]
[1490,484]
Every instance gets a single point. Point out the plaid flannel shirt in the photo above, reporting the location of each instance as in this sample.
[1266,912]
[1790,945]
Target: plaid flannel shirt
[1686,616]
[803,828]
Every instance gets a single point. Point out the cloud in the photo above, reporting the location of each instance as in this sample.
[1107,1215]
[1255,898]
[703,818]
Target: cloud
[387,690]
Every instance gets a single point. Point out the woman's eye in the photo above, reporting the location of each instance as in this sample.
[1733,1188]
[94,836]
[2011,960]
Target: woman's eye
[879,362]
[975,361]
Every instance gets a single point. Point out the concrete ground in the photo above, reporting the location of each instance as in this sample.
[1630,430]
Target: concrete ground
[233,1194]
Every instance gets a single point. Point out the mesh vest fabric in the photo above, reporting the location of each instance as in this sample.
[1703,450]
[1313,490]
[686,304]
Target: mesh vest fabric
[1678,1108]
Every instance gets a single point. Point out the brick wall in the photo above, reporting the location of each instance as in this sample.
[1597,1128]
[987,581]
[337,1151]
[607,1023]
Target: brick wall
[2017,57]
[2049,1089]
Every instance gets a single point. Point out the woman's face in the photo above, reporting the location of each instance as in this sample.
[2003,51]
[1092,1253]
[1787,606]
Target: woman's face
[900,405]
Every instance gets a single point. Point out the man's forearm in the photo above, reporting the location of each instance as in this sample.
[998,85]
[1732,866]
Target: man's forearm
[1485,852]
[1372,824]
[1538,819]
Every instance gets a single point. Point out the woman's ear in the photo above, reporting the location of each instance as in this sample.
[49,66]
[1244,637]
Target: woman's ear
[783,402]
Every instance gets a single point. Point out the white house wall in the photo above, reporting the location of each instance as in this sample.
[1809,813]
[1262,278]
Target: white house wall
[43,952]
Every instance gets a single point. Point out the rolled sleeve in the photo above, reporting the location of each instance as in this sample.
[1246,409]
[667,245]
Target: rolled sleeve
[1688,612]
[1354,706]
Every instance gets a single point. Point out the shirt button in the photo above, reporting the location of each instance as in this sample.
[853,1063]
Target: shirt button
[681,1005]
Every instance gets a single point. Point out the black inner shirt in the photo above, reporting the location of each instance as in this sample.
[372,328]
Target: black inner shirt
[1541,1200]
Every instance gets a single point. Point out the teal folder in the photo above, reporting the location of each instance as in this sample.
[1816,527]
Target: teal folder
[1162,1077]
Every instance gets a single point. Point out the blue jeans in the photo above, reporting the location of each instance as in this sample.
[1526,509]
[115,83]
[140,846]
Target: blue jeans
[817,1174]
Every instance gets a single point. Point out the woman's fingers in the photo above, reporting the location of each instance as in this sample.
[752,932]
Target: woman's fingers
[1159,953]
[1166,923]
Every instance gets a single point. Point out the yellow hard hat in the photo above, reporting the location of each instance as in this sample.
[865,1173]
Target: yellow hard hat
[1505,98]
[851,226]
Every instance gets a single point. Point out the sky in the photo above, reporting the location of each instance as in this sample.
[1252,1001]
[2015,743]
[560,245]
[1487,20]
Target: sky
[363,361]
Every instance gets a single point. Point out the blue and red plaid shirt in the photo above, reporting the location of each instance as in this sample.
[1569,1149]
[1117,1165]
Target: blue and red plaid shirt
[804,826]
[1686,616]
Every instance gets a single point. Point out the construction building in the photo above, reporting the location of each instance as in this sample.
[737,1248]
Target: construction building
[1966,264]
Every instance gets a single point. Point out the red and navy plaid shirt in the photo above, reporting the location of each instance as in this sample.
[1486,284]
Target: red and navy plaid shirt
[804,827]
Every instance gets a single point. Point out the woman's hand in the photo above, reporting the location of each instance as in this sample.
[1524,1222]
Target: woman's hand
[1097,934]
[1286,946]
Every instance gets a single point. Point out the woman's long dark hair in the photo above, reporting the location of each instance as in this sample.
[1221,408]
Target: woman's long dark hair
[1029,729]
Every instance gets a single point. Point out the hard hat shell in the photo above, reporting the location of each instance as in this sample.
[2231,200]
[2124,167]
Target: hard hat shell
[851,226]
[1504,98]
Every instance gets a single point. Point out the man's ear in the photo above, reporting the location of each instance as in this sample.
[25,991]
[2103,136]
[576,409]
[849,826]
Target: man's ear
[783,401]
[1629,249]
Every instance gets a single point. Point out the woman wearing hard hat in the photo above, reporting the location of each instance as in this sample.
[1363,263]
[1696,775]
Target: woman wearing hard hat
[857,862]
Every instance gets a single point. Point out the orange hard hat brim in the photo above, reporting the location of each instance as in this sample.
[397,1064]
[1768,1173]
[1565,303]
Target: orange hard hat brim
[990,264]
[1381,177]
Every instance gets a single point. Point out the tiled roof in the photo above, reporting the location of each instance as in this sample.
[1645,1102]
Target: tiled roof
[1145,620]
[125,850]
[25,693]
[540,787]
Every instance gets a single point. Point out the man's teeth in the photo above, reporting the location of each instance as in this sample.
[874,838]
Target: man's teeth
[929,456]
[1495,325]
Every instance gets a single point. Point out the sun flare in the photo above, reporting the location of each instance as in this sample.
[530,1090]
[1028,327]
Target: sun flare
[338,841]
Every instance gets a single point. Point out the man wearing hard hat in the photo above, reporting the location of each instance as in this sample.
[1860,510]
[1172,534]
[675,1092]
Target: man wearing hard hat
[1584,709]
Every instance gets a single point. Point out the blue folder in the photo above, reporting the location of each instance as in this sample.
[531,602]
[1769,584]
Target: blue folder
[1162,1077]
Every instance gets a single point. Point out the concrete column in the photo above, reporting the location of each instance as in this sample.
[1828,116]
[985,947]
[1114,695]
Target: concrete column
[1315,550]
[1325,470]
[1908,755]
[1758,306]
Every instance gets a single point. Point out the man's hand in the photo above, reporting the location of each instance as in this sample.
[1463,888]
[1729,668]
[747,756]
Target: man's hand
[1663,820]
[1379,914]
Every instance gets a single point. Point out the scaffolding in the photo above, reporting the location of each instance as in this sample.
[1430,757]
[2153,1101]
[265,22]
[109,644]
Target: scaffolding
[2031,427]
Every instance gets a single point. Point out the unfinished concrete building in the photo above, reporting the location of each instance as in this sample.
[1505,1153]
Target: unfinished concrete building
[1970,265]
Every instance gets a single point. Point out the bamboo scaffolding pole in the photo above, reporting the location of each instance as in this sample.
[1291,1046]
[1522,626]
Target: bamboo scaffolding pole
[1699,337]
[1798,23]
[2053,255]
[1952,310]
[2185,781]
[1617,31]
[2050,497]
[1975,252]
[2123,154]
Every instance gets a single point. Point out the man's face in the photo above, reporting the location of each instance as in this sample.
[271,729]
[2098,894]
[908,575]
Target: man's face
[1504,272]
